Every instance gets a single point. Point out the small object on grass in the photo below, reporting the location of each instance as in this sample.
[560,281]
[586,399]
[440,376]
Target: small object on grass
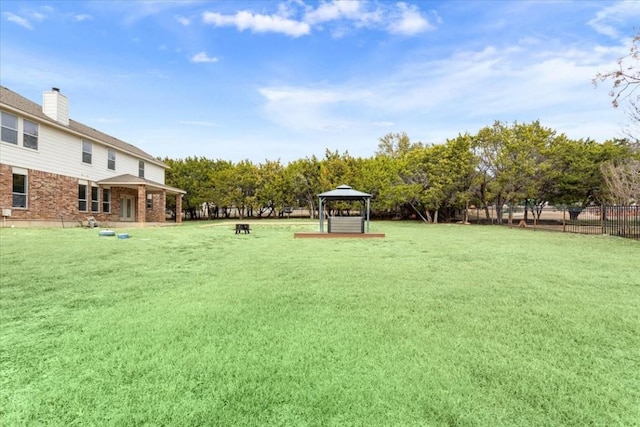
[242,228]
[92,223]
[123,236]
[106,233]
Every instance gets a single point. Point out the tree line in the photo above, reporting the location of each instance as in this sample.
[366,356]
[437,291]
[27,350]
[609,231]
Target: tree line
[501,165]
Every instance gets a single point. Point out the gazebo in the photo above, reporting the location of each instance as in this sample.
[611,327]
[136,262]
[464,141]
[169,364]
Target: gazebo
[345,224]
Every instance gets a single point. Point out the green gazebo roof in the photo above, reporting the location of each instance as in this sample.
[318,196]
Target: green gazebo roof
[344,192]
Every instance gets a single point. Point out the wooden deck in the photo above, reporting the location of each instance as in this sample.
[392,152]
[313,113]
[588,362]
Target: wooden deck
[316,235]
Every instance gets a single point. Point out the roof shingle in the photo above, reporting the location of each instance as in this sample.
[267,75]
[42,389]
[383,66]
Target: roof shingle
[12,99]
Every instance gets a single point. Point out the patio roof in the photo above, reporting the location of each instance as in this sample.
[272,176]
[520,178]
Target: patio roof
[132,181]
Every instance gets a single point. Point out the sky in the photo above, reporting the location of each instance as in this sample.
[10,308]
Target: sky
[285,80]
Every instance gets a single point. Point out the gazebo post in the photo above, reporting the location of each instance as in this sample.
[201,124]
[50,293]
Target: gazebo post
[321,216]
[368,200]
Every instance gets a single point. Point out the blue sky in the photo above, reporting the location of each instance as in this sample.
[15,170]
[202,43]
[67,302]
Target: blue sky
[284,80]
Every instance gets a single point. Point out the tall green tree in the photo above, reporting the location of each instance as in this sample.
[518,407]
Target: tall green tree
[192,175]
[226,193]
[460,173]
[303,178]
[247,184]
[379,177]
[576,173]
[510,160]
[489,148]
[272,193]
[396,145]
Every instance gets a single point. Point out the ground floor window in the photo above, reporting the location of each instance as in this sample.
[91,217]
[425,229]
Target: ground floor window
[82,197]
[19,190]
[106,200]
[95,199]
[149,201]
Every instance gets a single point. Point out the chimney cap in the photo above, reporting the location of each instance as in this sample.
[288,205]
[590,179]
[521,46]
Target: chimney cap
[55,89]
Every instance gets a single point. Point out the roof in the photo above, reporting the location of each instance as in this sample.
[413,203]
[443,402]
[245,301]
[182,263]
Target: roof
[344,192]
[20,103]
[128,180]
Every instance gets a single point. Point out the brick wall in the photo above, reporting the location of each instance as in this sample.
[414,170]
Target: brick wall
[157,211]
[48,195]
[52,197]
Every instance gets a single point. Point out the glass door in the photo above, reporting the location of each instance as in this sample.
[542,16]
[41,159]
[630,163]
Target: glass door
[126,208]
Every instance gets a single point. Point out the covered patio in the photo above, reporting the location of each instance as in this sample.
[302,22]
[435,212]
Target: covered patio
[130,194]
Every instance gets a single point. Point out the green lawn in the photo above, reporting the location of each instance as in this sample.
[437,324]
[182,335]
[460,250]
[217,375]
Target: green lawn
[441,325]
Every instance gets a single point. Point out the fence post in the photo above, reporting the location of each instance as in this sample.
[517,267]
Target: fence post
[603,226]
[564,219]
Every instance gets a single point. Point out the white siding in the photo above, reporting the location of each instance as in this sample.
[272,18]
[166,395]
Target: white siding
[61,153]
[129,164]
[154,173]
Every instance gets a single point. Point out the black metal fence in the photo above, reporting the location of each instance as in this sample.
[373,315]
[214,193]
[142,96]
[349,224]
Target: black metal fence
[622,221]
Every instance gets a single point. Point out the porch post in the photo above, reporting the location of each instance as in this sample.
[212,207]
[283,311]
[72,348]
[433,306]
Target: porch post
[162,215]
[141,211]
[178,208]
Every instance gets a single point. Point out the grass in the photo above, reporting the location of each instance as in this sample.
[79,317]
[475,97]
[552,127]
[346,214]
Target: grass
[434,325]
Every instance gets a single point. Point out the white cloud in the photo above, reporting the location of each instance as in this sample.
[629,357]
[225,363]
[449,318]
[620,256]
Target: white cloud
[42,14]
[37,16]
[12,17]
[608,20]
[340,16]
[203,57]
[135,11]
[334,11]
[469,87]
[184,21]
[344,14]
[258,23]
[301,108]
[305,96]
[82,17]
[409,21]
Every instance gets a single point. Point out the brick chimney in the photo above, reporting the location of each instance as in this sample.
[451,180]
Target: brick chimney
[56,106]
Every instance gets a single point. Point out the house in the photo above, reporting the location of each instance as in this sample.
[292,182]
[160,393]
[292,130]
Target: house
[54,170]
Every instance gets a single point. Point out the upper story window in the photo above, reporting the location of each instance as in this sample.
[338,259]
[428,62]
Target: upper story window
[111,159]
[87,148]
[30,134]
[10,131]
[9,128]
[141,169]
